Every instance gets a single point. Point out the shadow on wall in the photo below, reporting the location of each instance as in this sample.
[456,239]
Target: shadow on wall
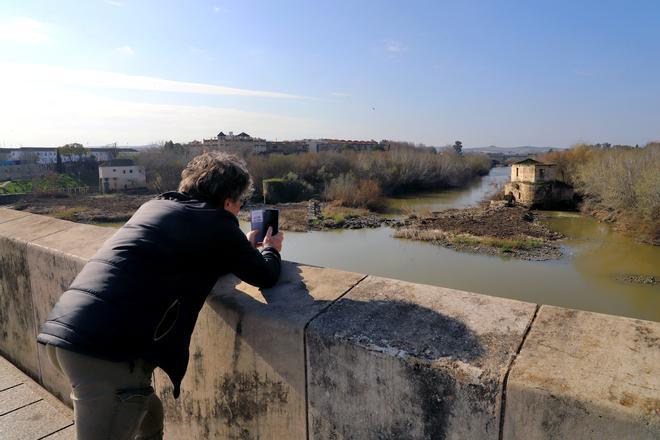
[393,327]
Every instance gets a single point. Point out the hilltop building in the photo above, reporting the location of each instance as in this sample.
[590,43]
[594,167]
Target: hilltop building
[281,147]
[243,141]
[121,175]
[534,184]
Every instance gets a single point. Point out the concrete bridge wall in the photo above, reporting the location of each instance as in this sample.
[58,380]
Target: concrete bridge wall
[328,354]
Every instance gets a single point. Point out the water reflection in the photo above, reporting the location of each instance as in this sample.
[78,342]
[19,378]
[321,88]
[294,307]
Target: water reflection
[453,198]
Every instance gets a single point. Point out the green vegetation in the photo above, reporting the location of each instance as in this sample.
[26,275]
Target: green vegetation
[69,213]
[288,189]
[15,187]
[621,180]
[340,213]
[74,151]
[506,244]
[52,182]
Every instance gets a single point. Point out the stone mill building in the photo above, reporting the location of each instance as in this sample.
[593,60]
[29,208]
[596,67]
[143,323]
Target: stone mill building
[535,184]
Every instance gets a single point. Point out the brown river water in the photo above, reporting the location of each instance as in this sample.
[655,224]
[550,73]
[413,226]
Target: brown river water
[584,278]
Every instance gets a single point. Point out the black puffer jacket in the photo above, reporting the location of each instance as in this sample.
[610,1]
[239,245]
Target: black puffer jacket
[140,294]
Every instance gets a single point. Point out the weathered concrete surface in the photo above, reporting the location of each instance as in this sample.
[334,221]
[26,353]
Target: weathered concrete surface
[11,214]
[17,333]
[10,376]
[30,227]
[27,411]
[65,434]
[53,262]
[246,375]
[396,360]
[76,240]
[32,422]
[17,397]
[585,375]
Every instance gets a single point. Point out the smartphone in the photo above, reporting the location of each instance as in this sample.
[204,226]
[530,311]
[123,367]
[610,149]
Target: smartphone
[264,218]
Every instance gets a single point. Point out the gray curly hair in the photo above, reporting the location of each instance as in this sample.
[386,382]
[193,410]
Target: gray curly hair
[214,177]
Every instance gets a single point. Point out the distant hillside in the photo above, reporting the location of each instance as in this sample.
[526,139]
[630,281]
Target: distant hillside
[511,151]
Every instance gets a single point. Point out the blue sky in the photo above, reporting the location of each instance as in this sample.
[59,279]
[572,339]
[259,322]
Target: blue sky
[505,73]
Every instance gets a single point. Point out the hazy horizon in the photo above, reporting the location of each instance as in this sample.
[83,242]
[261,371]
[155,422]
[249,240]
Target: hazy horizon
[487,73]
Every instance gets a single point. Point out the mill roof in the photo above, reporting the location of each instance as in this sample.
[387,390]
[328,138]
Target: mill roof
[530,161]
[117,163]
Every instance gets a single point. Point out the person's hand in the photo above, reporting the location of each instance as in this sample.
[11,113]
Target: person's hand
[274,241]
[252,237]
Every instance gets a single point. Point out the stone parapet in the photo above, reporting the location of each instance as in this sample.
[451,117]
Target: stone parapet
[395,360]
[585,375]
[332,354]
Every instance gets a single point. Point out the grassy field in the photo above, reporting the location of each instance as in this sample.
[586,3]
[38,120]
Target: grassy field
[53,182]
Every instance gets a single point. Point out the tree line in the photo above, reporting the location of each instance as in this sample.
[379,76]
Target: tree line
[620,179]
[357,179]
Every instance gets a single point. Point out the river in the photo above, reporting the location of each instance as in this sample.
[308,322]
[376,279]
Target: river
[585,278]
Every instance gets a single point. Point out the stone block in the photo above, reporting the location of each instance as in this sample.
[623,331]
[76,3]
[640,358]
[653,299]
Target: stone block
[585,375]
[7,215]
[246,375]
[17,397]
[32,227]
[34,421]
[397,360]
[68,433]
[17,336]
[9,375]
[77,240]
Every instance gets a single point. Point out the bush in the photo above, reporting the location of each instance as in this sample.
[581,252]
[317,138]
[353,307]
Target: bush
[163,165]
[347,190]
[288,189]
[622,179]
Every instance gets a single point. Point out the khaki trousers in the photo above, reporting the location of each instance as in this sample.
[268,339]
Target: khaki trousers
[111,400]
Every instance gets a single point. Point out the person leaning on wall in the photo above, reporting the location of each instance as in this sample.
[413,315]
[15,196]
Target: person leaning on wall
[134,305]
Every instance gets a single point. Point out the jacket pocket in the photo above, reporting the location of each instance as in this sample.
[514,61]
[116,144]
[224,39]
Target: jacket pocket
[168,321]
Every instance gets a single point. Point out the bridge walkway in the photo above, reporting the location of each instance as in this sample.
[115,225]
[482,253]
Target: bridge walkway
[29,412]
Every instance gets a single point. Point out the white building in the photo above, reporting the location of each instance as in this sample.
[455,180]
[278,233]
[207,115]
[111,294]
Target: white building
[120,175]
[48,155]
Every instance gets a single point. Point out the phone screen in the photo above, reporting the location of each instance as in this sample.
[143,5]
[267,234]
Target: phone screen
[261,219]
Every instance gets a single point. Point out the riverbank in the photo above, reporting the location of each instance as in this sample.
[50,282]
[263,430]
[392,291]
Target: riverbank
[498,230]
[642,230]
